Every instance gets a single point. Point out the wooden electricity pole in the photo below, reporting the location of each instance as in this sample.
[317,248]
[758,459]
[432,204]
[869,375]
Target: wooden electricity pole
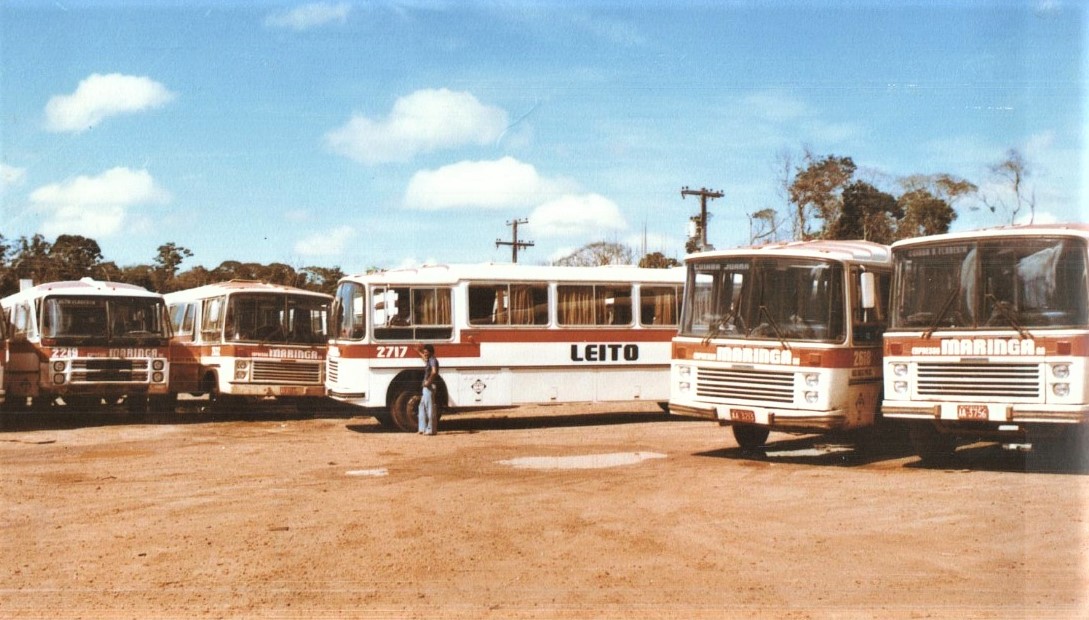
[514,243]
[704,195]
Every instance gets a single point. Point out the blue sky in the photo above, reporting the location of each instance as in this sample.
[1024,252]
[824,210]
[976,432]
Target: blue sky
[360,134]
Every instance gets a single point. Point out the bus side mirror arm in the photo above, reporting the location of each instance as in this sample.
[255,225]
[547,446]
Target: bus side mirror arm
[868,288]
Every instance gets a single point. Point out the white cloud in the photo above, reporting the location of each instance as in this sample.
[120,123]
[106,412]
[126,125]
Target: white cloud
[423,122]
[11,176]
[100,96]
[327,243]
[574,215]
[502,183]
[95,206]
[309,16]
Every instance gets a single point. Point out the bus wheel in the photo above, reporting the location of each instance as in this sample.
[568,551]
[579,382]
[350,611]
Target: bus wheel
[385,418]
[932,446]
[406,411]
[750,437]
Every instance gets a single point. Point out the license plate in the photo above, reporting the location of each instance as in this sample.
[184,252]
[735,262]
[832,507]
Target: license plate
[743,415]
[973,412]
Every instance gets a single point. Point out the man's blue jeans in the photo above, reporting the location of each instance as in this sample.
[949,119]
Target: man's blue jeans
[426,413]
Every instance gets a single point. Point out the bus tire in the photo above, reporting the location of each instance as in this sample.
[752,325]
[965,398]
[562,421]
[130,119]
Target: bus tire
[932,446]
[405,412]
[385,418]
[750,437]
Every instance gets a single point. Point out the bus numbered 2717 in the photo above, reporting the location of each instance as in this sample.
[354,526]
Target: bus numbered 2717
[505,334]
[86,343]
[783,337]
[246,340]
[989,337]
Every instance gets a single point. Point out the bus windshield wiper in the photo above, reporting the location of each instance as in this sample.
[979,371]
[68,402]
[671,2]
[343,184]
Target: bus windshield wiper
[763,311]
[953,296]
[718,326]
[1003,308]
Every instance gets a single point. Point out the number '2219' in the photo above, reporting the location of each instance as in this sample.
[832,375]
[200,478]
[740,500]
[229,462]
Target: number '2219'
[386,352]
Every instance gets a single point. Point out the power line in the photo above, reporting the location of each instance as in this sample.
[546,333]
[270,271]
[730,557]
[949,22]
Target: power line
[704,194]
[514,243]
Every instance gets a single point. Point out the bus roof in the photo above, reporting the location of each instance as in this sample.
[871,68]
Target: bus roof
[1034,230]
[862,252]
[513,272]
[85,286]
[239,286]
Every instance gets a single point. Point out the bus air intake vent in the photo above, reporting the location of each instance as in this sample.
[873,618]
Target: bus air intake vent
[269,371]
[724,385]
[978,381]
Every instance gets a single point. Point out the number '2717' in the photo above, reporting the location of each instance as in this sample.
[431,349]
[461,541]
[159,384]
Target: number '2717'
[389,352]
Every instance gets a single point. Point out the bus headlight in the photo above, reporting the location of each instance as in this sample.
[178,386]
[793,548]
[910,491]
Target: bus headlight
[58,366]
[241,370]
[157,364]
[812,380]
[684,372]
[900,387]
[684,386]
[157,377]
[1060,389]
[900,370]
[1060,371]
[58,379]
[812,397]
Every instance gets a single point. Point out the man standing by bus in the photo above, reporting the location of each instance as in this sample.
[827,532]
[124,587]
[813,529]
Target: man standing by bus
[428,420]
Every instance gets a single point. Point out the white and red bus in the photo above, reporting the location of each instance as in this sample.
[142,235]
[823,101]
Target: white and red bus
[504,334]
[86,342]
[989,336]
[783,337]
[246,340]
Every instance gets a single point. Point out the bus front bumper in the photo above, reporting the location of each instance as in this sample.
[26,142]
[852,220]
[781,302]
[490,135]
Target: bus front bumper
[775,419]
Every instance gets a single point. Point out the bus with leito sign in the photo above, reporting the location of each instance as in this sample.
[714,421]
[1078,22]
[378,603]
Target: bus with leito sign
[504,334]
[86,343]
[782,337]
[989,336]
[243,340]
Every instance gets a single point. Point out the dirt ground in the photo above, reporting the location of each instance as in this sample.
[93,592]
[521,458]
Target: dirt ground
[535,512]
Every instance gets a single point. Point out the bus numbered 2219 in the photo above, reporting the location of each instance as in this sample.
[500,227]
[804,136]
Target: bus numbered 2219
[505,334]
[782,337]
[87,343]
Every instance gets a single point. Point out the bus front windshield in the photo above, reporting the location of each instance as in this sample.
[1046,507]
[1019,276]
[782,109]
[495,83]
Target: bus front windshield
[757,298]
[1018,283]
[104,320]
[277,319]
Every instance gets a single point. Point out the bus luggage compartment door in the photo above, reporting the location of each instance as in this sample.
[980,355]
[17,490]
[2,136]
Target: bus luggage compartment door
[484,388]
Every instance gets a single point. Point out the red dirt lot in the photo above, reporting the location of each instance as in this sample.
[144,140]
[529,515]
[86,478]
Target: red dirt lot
[536,512]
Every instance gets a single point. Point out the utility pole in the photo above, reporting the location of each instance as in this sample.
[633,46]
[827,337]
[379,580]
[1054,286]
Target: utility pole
[704,195]
[514,243]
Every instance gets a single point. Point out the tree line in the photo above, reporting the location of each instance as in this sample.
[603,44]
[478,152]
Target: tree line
[71,257]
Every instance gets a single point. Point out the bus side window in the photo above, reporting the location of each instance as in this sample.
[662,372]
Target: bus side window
[658,305]
[487,304]
[211,327]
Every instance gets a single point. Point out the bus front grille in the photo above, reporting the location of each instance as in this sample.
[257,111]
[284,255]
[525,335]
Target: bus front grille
[93,370]
[269,371]
[332,371]
[726,385]
[979,380]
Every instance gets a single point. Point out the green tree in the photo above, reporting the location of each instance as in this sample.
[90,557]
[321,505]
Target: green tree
[1012,173]
[657,260]
[867,213]
[167,261]
[73,257]
[924,214]
[815,193]
[598,253]
[323,279]
[32,262]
